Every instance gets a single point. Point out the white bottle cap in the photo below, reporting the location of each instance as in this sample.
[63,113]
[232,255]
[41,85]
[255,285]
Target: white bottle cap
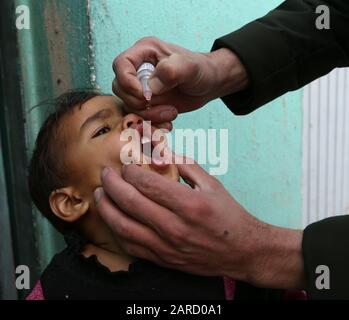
[145,66]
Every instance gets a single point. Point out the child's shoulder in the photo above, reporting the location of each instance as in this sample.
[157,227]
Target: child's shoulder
[67,271]
[58,269]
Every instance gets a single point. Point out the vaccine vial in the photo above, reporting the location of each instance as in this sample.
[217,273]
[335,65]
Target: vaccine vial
[144,72]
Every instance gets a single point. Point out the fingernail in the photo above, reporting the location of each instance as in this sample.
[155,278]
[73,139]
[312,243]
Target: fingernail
[168,115]
[98,193]
[156,85]
[105,172]
[165,126]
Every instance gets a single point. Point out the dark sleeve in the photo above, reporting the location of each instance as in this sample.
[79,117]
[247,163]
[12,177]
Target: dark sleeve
[326,243]
[284,50]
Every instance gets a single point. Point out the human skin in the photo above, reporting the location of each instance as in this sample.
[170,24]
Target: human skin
[183,80]
[202,230]
[92,138]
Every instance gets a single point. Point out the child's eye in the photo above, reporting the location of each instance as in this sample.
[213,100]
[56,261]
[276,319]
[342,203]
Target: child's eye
[101,131]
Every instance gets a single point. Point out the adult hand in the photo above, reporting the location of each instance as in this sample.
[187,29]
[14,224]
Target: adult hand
[200,230]
[182,81]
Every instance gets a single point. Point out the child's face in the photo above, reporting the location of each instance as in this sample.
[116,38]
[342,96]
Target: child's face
[92,139]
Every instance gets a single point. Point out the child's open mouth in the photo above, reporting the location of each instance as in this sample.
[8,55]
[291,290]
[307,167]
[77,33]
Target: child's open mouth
[154,150]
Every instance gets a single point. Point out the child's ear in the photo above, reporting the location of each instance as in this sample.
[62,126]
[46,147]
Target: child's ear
[67,205]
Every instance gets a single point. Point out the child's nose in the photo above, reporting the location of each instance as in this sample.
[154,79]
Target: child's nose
[131,121]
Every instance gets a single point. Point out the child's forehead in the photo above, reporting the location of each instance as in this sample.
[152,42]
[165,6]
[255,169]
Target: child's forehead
[100,102]
[81,113]
[96,104]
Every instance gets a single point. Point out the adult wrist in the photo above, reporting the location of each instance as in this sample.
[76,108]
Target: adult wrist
[229,72]
[277,259]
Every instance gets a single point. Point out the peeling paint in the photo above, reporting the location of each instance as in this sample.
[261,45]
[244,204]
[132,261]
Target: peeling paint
[60,68]
[54,57]
[91,55]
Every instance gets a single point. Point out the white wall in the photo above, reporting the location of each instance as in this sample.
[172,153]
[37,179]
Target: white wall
[325,182]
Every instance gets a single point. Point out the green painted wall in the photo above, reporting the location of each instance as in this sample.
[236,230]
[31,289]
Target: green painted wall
[264,147]
[54,56]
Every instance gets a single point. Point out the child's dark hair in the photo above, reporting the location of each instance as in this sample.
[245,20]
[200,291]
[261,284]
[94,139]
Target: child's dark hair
[47,170]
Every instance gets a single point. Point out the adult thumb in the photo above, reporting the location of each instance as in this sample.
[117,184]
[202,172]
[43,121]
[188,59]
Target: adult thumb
[169,73]
[157,86]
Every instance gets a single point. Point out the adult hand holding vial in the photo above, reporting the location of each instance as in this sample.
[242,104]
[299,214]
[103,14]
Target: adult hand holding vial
[182,80]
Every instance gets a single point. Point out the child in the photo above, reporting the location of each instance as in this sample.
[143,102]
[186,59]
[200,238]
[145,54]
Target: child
[75,143]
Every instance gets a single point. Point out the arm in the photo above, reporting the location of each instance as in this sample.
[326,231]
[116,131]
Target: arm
[284,50]
[279,52]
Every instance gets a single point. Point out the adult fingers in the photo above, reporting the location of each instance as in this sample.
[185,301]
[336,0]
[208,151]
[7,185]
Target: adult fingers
[171,72]
[159,113]
[195,175]
[126,77]
[125,65]
[136,101]
[131,234]
[135,204]
[174,196]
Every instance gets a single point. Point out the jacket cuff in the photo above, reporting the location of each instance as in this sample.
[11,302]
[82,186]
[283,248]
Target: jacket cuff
[326,243]
[269,77]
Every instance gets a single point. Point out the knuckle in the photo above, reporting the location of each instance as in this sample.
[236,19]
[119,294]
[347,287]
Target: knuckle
[177,239]
[196,205]
[129,198]
[169,257]
[121,229]
[123,83]
[115,64]
[147,40]
[214,183]
[201,210]
[115,86]
[149,183]
[171,71]
[128,85]
[192,66]
[177,236]
[131,250]
[151,39]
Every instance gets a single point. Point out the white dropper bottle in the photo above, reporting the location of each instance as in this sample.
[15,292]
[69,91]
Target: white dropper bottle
[144,72]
